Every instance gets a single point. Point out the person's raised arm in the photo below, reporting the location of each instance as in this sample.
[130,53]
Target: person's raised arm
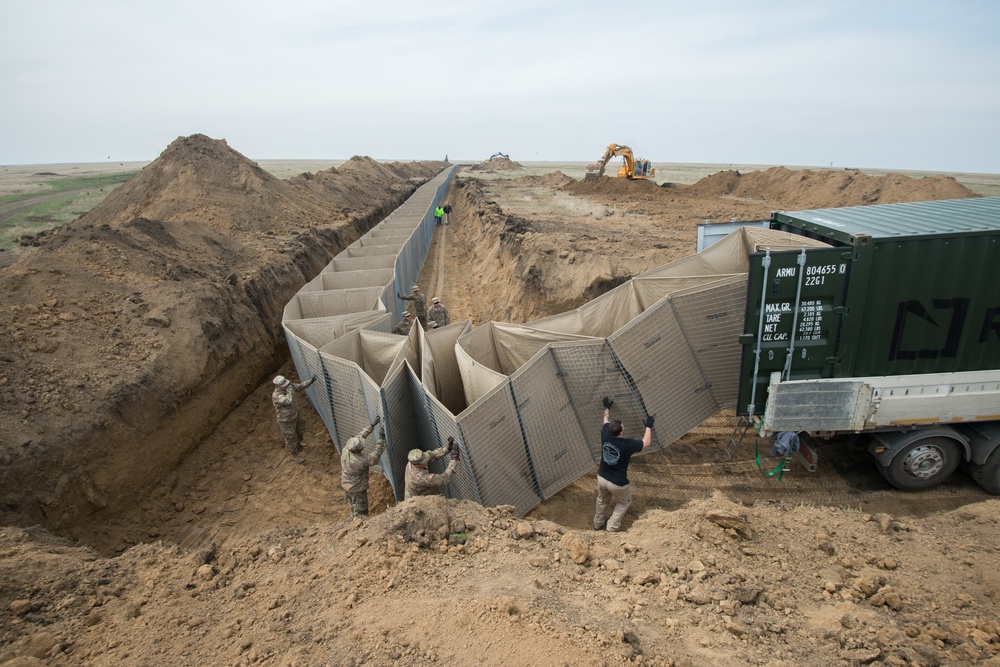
[647,436]
[607,409]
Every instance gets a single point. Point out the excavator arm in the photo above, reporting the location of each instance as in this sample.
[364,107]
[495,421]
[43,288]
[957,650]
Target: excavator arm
[597,169]
[628,168]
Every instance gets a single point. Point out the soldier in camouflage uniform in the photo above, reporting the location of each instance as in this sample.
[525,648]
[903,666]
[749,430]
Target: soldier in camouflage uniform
[404,325]
[419,304]
[354,466]
[422,482]
[291,425]
[439,313]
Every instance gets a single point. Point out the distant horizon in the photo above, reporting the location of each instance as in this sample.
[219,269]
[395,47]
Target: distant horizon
[724,165]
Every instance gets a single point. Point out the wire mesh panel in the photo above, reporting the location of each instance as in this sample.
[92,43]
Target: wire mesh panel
[384,236]
[373,396]
[347,398]
[400,425]
[375,247]
[362,278]
[395,223]
[321,331]
[589,372]
[555,439]
[407,267]
[497,453]
[387,300]
[338,302]
[659,364]
[379,351]
[439,366]
[463,484]
[308,363]
[712,320]
[356,263]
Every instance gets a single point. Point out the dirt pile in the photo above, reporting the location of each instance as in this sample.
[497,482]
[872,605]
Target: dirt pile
[358,180]
[136,328]
[495,163]
[441,582]
[825,189]
[198,179]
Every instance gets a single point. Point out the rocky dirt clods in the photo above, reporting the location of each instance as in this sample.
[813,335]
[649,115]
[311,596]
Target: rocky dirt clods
[435,581]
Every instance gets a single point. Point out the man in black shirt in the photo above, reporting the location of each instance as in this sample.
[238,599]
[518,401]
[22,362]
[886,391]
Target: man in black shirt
[612,473]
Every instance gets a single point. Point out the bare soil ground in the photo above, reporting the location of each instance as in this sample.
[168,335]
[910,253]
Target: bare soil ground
[138,433]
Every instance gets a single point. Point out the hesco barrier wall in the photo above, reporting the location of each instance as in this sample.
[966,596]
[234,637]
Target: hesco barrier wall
[522,400]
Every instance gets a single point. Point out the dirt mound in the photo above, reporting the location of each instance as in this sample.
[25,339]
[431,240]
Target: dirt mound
[827,189]
[717,185]
[203,180]
[198,179]
[435,581]
[553,179]
[135,328]
[499,163]
[351,186]
[609,186]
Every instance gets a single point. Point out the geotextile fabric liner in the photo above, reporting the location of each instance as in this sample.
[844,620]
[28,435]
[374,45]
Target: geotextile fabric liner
[523,401]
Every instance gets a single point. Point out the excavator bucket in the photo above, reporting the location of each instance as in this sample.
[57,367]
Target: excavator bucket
[595,170]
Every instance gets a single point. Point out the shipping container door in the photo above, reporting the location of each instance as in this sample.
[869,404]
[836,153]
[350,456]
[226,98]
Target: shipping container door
[795,308]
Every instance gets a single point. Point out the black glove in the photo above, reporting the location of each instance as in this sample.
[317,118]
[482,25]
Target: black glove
[381,433]
[399,296]
[648,421]
[608,403]
[451,444]
[455,452]
[378,418]
[313,379]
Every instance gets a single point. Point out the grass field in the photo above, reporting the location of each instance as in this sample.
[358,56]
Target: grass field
[62,199]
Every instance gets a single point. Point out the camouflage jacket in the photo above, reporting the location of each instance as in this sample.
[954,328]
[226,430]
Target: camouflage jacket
[439,314]
[422,482]
[354,465]
[403,328]
[419,303]
[283,399]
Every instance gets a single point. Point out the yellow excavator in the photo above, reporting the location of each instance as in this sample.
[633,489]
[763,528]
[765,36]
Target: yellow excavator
[631,168]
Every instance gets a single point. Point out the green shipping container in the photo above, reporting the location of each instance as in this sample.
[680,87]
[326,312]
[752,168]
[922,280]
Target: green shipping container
[905,289]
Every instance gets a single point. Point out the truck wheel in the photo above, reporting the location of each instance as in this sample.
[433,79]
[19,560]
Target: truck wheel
[987,475]
[922,464]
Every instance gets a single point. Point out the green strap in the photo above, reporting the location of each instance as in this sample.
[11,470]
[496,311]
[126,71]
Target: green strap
[780,470]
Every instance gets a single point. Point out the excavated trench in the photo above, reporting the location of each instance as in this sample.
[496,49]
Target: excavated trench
[491,263]
[238,480]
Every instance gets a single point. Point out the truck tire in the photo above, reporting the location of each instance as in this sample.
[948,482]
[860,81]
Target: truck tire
[923,463]
[987,475]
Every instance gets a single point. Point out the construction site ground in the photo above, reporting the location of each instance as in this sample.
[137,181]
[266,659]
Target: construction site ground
[236,555]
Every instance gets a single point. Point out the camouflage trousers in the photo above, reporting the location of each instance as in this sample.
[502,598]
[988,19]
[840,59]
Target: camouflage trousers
[358,503]
[292,433]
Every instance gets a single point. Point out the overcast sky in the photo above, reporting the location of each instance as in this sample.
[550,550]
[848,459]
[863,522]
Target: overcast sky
[909,84]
